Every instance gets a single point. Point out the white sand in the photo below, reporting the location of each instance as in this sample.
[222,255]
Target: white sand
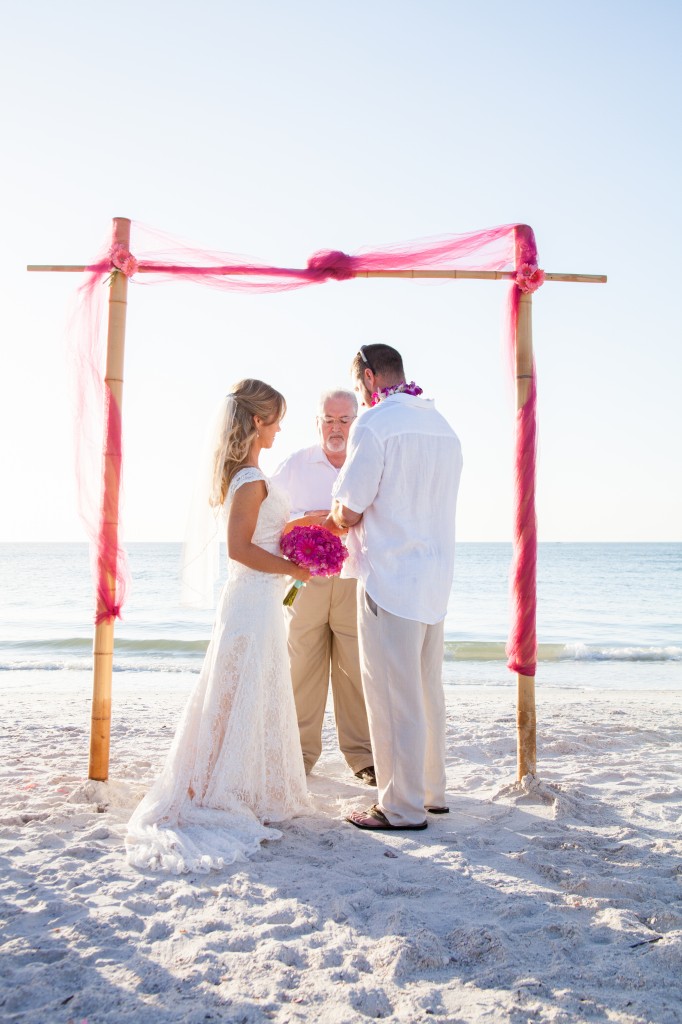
[559,904]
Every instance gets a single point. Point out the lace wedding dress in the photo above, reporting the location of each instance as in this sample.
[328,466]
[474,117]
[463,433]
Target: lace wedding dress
[235,764]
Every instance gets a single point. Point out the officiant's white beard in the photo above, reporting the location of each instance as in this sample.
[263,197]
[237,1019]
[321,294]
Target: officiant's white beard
[335,444]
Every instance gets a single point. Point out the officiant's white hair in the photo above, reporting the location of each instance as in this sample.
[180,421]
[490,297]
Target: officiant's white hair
[344,393]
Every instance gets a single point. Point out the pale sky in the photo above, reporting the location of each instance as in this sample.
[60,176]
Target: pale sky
[275,129]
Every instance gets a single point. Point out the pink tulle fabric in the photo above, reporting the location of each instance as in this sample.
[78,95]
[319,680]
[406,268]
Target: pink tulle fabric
[522,643]
[155,257]
[98,448]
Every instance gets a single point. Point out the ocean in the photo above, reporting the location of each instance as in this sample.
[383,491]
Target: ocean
[609,615]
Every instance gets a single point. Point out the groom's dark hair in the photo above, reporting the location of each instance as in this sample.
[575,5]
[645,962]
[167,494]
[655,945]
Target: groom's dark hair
[379,359]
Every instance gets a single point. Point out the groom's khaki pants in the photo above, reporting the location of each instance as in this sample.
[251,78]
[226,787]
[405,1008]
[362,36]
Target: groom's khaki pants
[402,676]
[322,634]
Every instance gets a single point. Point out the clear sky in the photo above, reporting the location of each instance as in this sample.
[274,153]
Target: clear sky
[274,129]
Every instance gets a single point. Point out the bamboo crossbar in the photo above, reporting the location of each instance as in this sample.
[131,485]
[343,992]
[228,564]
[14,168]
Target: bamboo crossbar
[479,275]
[465,275]
[60,269]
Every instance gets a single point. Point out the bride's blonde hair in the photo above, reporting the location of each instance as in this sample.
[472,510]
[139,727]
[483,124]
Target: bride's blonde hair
[248,398]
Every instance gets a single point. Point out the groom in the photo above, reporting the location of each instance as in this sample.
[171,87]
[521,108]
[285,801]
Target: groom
[397,492]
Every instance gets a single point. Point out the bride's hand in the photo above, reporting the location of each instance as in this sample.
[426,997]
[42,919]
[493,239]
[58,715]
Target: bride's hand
[309,519]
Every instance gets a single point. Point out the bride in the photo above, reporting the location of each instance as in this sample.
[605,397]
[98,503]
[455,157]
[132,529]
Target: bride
[235,764]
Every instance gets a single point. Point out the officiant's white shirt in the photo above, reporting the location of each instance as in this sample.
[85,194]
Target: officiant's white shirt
[402,472]
[308,477]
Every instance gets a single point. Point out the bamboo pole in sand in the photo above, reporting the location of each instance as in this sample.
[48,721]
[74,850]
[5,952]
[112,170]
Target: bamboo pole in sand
[103,646]
[525,685]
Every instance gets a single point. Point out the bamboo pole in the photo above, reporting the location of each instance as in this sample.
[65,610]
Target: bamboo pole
[525,685]
[478,275]
[103,646]
[464,275]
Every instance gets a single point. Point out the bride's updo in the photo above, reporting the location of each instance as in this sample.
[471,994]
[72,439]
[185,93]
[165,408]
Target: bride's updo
[247,399]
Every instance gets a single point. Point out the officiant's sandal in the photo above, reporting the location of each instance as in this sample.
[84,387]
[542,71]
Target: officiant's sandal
[374,820]
[367,775]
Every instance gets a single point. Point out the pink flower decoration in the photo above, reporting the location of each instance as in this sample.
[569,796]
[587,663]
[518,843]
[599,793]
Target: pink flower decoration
[529,277]
[123,260]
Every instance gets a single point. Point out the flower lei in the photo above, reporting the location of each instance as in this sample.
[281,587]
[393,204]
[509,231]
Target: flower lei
[529,277]
[396,389]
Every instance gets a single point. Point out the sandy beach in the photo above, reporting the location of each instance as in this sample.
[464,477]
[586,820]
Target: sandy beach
[558,901]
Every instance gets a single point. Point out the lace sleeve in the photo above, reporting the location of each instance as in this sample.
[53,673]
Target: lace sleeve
[245,476]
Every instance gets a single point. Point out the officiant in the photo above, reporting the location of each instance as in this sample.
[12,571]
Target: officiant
[322,622]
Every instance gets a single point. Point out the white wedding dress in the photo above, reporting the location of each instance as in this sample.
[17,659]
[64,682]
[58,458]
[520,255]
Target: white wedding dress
[235,763]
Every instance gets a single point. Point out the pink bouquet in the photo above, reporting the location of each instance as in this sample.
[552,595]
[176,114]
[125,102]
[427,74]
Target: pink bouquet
[317,549]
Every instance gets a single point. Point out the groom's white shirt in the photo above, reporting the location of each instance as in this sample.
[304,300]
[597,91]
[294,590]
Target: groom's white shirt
[402,472]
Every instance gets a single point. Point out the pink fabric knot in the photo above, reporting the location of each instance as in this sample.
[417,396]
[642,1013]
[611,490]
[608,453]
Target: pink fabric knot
[107,614]
[331,263]
[529,277]
[123,260]
[526,247]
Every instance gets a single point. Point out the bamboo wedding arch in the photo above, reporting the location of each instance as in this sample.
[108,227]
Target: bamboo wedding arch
[118,264]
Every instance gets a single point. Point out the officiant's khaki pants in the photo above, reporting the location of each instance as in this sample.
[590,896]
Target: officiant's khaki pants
[322,634]
[402,676]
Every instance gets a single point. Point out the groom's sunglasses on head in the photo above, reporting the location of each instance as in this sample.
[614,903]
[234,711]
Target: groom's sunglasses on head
[365,360]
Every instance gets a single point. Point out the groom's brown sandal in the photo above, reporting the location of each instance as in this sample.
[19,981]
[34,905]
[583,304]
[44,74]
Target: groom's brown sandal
[374,820]
[438,810]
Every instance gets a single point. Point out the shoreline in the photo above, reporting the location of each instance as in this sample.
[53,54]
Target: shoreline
[653,682]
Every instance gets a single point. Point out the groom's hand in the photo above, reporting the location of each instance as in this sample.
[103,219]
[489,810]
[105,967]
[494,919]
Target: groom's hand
[341,519]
